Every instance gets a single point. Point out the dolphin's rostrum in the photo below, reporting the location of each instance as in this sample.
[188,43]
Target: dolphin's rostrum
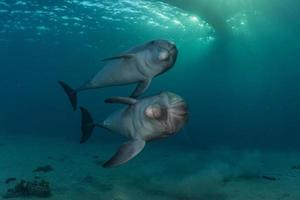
[140,121]
[137,65]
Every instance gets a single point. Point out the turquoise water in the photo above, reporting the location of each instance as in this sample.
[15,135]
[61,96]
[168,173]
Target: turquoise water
[237,68]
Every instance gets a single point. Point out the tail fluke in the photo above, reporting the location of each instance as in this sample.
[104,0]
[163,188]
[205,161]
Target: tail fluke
[72,94]
[87,125]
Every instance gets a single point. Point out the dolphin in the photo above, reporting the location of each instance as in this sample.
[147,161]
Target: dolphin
[137,65]
[140,121]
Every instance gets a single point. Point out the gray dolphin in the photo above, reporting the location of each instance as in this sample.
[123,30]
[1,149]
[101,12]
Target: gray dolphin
[137,65]
[140,121]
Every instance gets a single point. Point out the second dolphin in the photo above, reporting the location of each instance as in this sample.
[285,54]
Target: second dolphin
[137,65]
[140,121]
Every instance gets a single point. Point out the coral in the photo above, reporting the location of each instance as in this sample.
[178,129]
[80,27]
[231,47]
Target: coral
[27,189]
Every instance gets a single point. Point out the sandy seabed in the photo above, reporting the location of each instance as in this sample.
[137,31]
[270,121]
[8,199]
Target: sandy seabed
[159,172]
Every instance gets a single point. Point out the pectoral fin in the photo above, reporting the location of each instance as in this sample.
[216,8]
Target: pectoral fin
[125,153]
[141,88]
[125,56]
[122,100]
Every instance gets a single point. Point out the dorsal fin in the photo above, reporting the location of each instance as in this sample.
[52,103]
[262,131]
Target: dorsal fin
[125,56]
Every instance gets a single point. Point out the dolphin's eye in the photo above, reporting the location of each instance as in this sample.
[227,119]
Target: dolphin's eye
[164,55]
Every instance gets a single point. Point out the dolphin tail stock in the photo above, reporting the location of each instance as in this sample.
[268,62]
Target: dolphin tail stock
[71,93]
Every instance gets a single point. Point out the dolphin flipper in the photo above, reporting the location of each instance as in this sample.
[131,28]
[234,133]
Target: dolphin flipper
[141,87]
[125,153]
[72,94]
[122,100]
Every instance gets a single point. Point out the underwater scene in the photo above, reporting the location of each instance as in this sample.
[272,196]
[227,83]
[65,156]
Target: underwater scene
[150,99]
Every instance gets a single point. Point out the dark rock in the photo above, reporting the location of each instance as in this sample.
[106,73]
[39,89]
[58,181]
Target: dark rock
[7,181]
[295,167]
[46,168]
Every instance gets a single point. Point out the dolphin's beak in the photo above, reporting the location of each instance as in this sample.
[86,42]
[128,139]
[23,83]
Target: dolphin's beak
[172,47]
[173,51]
[177,113]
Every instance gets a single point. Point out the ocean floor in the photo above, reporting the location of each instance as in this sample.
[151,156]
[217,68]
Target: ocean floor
[160,172]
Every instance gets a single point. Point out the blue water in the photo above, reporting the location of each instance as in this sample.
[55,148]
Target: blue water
[238,66]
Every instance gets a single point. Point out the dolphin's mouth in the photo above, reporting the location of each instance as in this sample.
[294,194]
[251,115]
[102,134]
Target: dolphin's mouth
[171,57]
[172,49]
[173,52]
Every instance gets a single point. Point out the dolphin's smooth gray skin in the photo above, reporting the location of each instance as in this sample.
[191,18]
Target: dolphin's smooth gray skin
[140,121]
[137,65]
